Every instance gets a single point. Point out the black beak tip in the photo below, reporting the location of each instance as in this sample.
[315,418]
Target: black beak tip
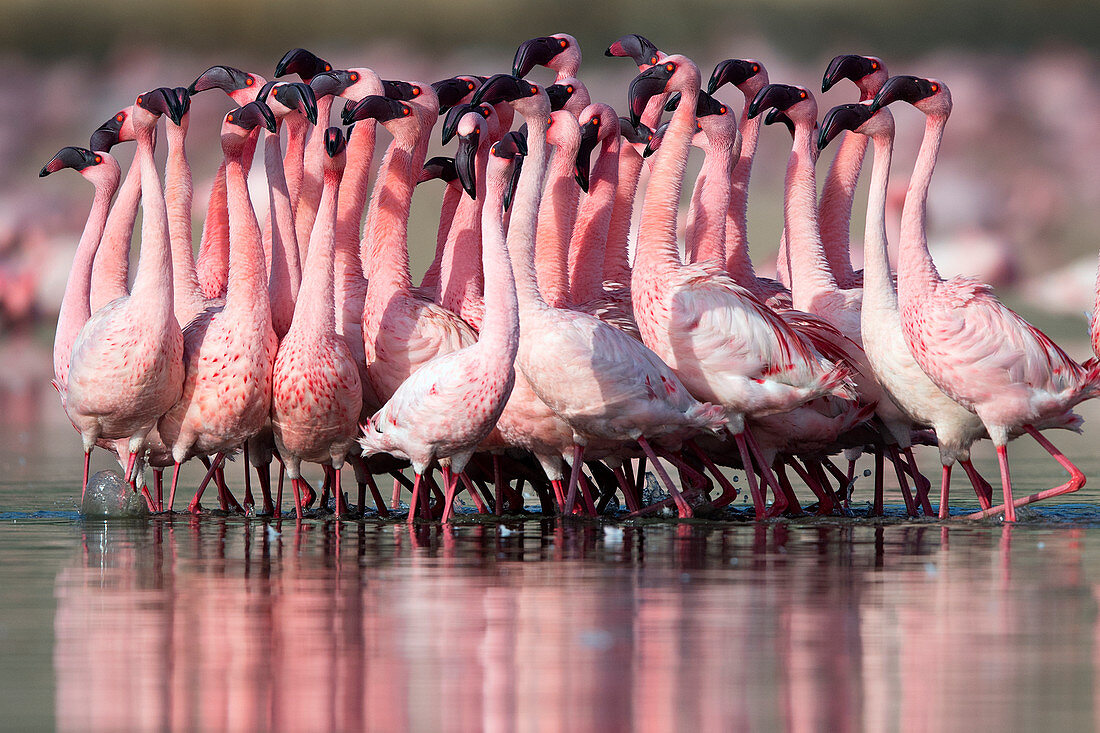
[44,172]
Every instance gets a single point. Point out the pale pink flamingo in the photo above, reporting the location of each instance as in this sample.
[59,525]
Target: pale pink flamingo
[559,52]
[893,365]
[443,168]
[127,361]
[749,76]
[558,209]
[725,345]
[111,267]
[446,408]
[868,73]
[316,394]
[616,260]
[621,392]
[981,354]
[228,353]
[401,329]
[569,94]
[102,170]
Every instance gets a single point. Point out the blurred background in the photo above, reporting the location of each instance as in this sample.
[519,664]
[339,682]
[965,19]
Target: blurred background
[1015,200]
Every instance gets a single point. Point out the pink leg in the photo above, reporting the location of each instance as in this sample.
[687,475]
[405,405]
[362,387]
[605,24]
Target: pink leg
[263,475]
[341,503]
[639,478]
[824,499]
[376,495]
[750,475]
[249,501]
[172,491]
[279,492]
[450,486]
[296,484]
[574,477]
[765,469]
[395,501]
[632,503]
[841,479]
[681,504]
[194,507]
[308,494]
[699,481]
[84,484]
[479,502]
[1076,481]
[920,483]
[589,506]
[158,481]
[498,484]
[945,488]
[229,501]
[794,507]
[982,488]
[906,495]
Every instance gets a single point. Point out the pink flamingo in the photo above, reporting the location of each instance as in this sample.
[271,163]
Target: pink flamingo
[229,353]
[893,365]
[559,52]
[111,267]
[126,368]
[868,73]
[443,168]
[103,171]
[621,392]
[981,354]
[558,209]
[447,407]
[725,345]
[316,394]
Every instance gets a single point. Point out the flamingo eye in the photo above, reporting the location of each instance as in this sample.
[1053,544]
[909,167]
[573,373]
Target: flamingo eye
[595,121]
[874,65]
[802,95]
[229,117]
[569,89]
[120,117]
[549,121]
[249,81]
[406,111]
[563,43]
[670,67]
[534,89]
[755,68]
[653,61]
[99,159]
[722,111]
[354,76]
[935,88]
[416,91]
[470,86]
[139,99]
[328,67]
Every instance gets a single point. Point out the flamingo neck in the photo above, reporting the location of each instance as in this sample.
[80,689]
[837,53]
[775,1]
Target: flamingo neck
[315,314]
[310,194]
[75,310]
[588,246]
[499,332]
[213,260]
[810,274]
[153,281]
[738,261]
[616,262]
[452,196]
[916,271]
[384,249]
[557,218]
[355,185]
[523,223]
[709,232]
[835,208]
[878,288]
[111,268]
[178,195]
[462,281]
[297,129]
[246,286]
[285,271]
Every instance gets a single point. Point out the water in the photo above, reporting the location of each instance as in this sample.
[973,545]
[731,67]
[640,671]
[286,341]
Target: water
[814,624]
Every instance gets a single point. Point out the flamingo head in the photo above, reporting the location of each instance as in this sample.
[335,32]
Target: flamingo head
[396,116]
[241,86]
[866,72]
[776,116]
[456,113]
[151,105]
[454,91]
[748,75]
[563,132]
[797,103]
[405,91]
[559,51]
[469,130]
[240,123]
[118,129]
[528,99]
[639,48]
[858,117]
[509,150]
[288,97]
[930,96]
[657,137]
[303,63]
[637,136]
[335,145]
[94,166]
[569,94]
[674,72]
[334,83]
[439,167]
[598,122]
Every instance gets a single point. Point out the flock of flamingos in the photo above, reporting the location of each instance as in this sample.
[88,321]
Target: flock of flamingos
[535,352]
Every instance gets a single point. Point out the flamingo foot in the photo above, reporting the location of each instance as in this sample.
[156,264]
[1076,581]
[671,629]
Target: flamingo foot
[1076,481]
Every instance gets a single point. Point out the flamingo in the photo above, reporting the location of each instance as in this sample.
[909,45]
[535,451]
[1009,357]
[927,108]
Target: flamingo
[622,392]
[449,405]
[558,209]
[110,269]
[559,52]
[103,171]
[229,353]
[893,365]
[980,353]
[443,168]
[126,368]
[725,345]
[316,394]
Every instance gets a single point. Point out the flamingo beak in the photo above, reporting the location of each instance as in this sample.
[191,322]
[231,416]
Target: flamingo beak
[654,143]
[335,142]
[840,118]
[590,137]
[645,86]
[70,157]
[439,167]
[503,88]
[535,52]
[466,161]
[376,107]
[731,71]
[846,66]
[451,120]
[779,96]
[638,48]
[911,89]
[226,78]
[303,63]
[106,136]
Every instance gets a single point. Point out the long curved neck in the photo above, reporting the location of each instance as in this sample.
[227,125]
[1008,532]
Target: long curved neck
[525,212]
[878,287]
[297,129]
[810,274]
[74,304]
[587,248]
[246,290]
[452,196]
[616,260]
[835,208]
[153,282]
[709,232]
[384,249]
[310,194]
[463,281]
[285,274]
[213,260]
[111,267]
[500,326]
[178,194]
[916,271]
[738,262]
[557,218]
[657,249]
[315,313]
[355,185]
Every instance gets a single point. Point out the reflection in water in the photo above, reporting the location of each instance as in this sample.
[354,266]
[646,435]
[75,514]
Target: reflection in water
[217,624]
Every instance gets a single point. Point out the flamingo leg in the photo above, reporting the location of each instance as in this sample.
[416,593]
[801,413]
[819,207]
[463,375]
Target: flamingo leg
[945,487]
[794,507]
[479,492]
[559,494]
[309,495]
[450,488]
[158,480]
[84,483]
[842,481]
[296,484]
[729,491]
[228,500]
[1076,481]
[765,468]
[824,498]
[920,482]
[194,507]
[982,488]
[341,503]
[414,502]
[750,475]
[880,461]
[574,477]
[627,487]
[172,491]
[681,503]
[395,501]
[279,491]
[498,484]
[639,478]
[263,475]
[906,495]
[376,495]
[589,505]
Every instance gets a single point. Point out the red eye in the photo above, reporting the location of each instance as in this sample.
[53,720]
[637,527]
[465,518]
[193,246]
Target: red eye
[755,68]
[670,67]
[406,111]
[139,99]
[249,81]
[595,121]
[354,76]
[534,89]
[98,159]
[416,91]
[563,43]
[802,95]
[653,60]
[569,89]
[935,88]
[722,111]
[328,68]
[120,117]
[549,121]
[229,117]
[874,65]
[470,86]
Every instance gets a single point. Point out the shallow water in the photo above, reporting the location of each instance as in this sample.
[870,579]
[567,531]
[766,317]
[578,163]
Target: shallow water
[831,624]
